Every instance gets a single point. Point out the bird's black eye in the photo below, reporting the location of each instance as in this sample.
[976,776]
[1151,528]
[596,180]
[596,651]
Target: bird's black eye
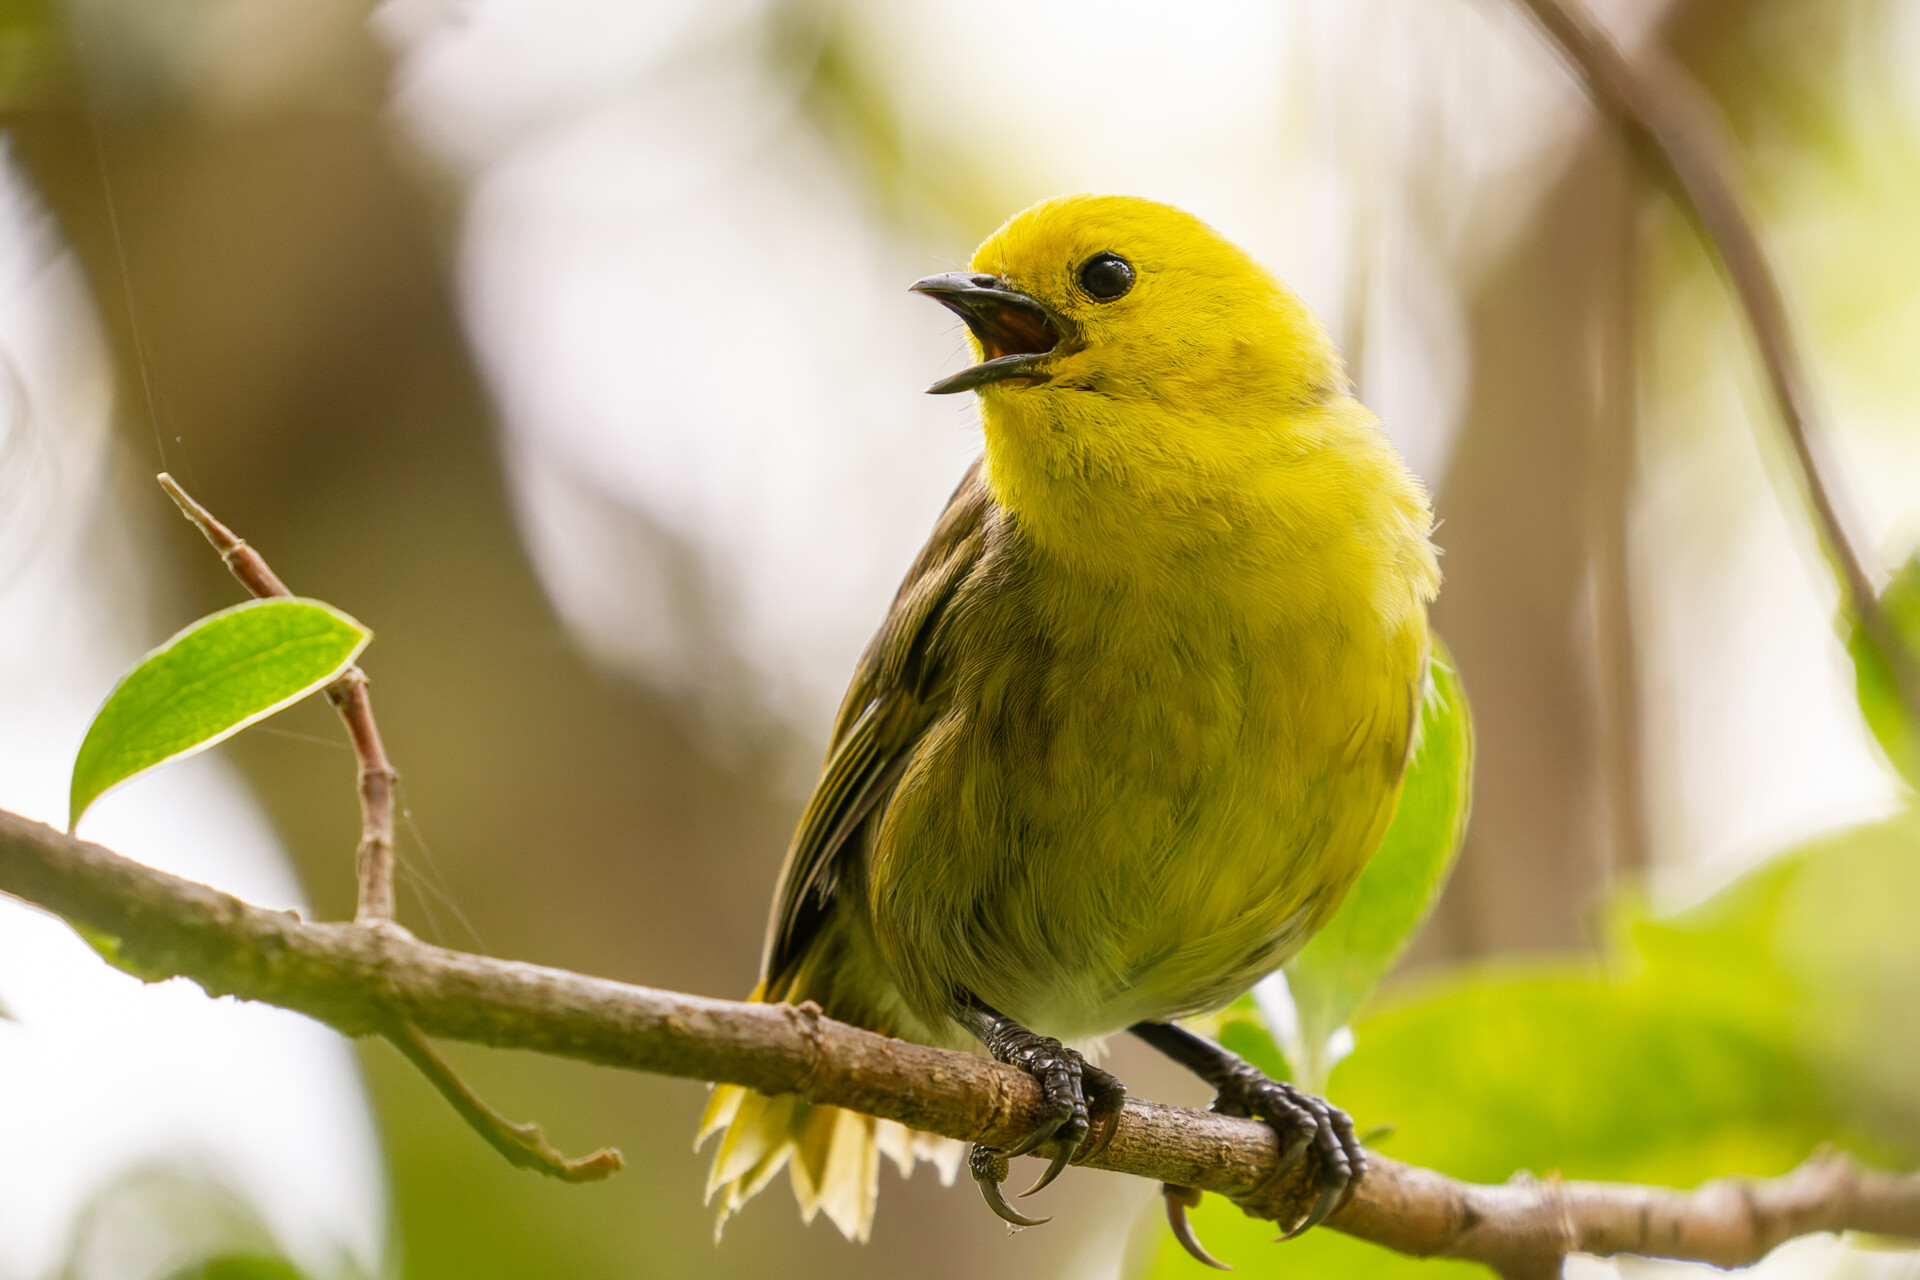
[1106,276]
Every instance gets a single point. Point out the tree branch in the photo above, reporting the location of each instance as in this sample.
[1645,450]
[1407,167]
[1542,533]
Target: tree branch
[1682,137]
[358,980]
[522,1144]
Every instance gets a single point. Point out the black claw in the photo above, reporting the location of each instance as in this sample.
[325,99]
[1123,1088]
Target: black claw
[989,1169]
[1049,1128]
[1332,1193]
[1062,1154]
[990,1192]
[1179,1200]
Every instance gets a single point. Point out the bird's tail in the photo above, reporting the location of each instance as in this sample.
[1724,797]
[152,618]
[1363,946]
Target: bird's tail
[832,1155]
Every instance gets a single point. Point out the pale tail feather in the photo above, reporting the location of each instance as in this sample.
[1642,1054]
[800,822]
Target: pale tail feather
[946,1155]
[831,1155]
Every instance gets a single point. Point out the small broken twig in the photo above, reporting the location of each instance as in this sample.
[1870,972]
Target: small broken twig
[523,1144]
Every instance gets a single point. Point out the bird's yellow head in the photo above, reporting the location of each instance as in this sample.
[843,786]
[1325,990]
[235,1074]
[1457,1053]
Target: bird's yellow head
[1126,346]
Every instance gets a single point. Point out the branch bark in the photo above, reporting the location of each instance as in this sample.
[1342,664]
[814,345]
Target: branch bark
[359,979]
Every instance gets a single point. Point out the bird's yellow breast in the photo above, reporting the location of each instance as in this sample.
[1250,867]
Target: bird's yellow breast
[1168,753]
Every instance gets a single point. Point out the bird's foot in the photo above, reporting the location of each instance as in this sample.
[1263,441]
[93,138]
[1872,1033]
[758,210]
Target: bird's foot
[1066,1080]
[1305,1124]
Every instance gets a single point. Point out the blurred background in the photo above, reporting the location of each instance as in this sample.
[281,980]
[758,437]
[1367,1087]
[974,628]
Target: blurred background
[567,345]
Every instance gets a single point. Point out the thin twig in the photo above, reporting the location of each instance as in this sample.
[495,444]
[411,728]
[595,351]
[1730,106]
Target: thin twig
[373,860]
[246,564]
[1686,144]
[358,980]
[524,1145]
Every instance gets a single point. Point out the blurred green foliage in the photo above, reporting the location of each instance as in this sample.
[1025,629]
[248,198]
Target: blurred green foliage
[174,1222]
[1732,1038]
[240,1266]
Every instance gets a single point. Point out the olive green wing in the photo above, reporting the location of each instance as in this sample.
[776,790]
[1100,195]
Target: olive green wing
[898,690]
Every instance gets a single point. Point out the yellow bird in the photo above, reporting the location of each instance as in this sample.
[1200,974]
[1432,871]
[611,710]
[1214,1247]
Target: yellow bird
[1136,719]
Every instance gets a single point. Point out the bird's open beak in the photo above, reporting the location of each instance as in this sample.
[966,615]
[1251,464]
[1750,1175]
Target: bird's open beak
[1016,333]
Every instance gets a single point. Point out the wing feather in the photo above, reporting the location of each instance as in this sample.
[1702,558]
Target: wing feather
[897,691]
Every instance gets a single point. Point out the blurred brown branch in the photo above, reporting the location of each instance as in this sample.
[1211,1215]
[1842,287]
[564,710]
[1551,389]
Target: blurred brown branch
[360,980]
[1685,143]
[522,1144]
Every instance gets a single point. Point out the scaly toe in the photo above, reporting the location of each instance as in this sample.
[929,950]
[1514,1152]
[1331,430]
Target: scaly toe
[1061,1074]
[1356,1157]
[1302,1122]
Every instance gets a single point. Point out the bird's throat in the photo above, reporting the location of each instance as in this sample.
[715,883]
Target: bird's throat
[1081,494]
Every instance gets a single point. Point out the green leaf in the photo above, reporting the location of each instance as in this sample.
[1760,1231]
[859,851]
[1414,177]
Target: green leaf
[207,683]
[1879,696]
[1344,961]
